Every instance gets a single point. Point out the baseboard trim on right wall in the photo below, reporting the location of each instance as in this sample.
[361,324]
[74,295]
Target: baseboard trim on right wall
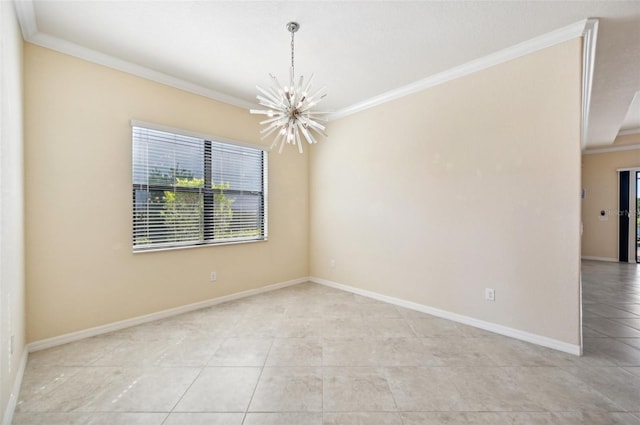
[611,260]
[487,326]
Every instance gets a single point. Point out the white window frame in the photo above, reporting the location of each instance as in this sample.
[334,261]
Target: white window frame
[208,242]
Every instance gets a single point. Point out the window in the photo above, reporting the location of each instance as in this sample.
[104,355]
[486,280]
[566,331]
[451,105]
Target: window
[188,191]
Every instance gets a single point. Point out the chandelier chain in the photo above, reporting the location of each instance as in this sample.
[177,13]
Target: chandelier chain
[292,35]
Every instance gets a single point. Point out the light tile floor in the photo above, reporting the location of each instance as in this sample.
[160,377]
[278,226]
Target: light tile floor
[312,355]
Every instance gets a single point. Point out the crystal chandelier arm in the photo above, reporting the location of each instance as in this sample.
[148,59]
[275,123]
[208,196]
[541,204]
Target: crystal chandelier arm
[271,95]
[267,133]
[291,131]
[279,123]
[306,89]
[276,107]
[298,142]
[312,101]
[265,102]
[318,94]
[270,129]
[314,116]
[318,128]
[306,108]
[292,95]
[279,137]
[270,120]
[275,91]
[299,86]
[306,134]
[282,141]
[288,97]
[276,84]
[259,111]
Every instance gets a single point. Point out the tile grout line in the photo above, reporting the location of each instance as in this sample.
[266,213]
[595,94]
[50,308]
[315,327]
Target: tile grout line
[183,394]
[322,378]
[246,412]
[393,397]
[202,369]
[386,365]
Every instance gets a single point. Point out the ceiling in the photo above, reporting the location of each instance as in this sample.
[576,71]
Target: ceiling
[358,49]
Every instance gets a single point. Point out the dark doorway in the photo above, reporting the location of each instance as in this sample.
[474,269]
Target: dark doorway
[623,217]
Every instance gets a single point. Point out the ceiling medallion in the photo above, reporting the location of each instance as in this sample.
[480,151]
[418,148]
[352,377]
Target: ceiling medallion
[290,108]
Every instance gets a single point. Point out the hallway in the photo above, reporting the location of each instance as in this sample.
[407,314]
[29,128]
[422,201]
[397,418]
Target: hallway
[611,312]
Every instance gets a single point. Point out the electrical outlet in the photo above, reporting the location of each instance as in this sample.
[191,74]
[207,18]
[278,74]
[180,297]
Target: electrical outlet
[214,276]
[332,263]
[489,294]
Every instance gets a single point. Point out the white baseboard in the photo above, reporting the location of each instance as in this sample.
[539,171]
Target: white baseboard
[488,326]
[15,389]
[612,260]
[115,326]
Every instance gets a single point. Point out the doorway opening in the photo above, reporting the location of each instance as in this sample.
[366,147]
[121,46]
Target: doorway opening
[628,215]
[636,217]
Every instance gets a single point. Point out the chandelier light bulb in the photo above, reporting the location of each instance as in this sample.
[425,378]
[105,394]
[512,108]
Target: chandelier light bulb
[290,108]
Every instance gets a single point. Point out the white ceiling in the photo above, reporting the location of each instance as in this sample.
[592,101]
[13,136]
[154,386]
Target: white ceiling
[359,50]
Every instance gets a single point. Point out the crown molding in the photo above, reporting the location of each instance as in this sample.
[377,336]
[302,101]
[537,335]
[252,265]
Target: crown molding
[589,37]
[611,149]
[526,47]
[26,18]
[586,28]
[30,33]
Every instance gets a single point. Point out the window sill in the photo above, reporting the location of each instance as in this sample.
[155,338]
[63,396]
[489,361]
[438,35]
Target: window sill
[175,248]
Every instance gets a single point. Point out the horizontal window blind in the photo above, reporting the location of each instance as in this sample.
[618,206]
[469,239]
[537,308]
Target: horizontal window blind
[190,191]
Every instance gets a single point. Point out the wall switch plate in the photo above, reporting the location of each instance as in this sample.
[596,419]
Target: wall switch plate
[332,263]
[489,294]
[214,276]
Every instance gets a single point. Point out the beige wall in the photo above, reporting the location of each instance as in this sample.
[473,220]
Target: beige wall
[81,271]
[629,139]
[470,184]
[600,180]
[12,305]
[430,198]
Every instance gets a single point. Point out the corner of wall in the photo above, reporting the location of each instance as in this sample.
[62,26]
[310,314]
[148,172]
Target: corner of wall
[12,282]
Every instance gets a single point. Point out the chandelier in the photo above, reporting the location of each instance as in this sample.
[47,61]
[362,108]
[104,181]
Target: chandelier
[290,108]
